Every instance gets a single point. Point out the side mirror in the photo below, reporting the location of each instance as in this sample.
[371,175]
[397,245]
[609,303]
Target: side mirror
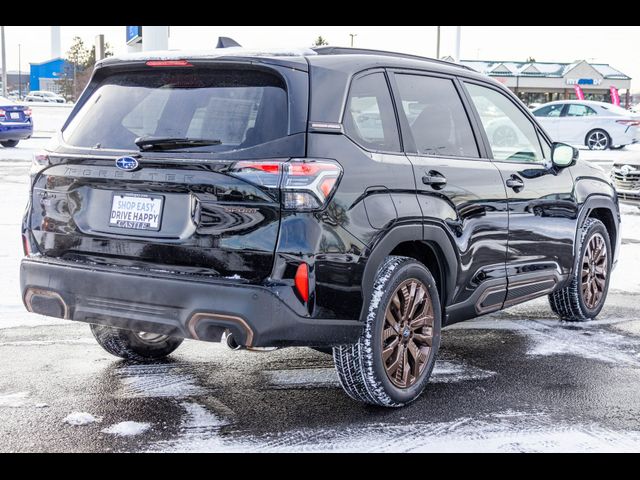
[563,155]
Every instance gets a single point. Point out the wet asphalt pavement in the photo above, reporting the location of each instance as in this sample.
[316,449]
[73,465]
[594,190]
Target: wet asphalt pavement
[502,383]
[517,380]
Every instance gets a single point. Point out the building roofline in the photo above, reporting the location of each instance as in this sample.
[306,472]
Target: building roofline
[47,61]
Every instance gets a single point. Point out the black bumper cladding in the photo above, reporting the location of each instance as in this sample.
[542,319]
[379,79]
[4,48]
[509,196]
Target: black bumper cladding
[190,308]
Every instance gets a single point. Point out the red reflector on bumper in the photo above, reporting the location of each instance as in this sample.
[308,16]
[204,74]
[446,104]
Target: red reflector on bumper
[302,281]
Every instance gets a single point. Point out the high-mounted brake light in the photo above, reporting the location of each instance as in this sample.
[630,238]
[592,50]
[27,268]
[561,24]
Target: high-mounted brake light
[630,123]
[302,281]
[168,63]
[306,184]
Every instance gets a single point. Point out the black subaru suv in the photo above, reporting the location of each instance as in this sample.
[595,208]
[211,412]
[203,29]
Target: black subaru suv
[342,199]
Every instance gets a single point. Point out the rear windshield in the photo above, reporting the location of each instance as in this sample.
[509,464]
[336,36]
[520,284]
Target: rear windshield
[239,108]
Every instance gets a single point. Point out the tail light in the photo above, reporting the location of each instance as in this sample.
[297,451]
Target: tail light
[25,245]
[629,123]
[39,161]
[27,112]
[306,184]
[2,114]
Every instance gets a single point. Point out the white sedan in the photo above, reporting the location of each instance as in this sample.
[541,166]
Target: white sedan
[597,125]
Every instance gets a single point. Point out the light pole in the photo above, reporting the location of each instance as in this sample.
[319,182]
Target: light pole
[4,64]
[19,73]
[458,35]
[352,35]
[438,43]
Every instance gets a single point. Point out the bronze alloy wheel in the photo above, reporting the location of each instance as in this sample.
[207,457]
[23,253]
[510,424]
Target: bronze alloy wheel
[407,334]
[594,271]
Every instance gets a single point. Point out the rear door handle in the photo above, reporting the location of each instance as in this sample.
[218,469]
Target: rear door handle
[435,179]
[515,183]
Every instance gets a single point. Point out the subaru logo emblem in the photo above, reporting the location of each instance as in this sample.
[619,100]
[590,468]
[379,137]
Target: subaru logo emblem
[626,170]
[127,163]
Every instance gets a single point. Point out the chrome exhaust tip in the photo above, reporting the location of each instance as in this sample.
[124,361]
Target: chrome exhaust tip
[229,340]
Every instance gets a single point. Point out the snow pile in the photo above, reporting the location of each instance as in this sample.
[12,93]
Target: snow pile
[81,418]
[127,429]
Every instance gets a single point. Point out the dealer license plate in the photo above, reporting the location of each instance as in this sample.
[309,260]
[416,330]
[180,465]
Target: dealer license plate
[139,212]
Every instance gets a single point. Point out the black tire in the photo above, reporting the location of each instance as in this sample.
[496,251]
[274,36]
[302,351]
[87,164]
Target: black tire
[9,143]
[360,366]
[603,138]
[568,303]
[130,345]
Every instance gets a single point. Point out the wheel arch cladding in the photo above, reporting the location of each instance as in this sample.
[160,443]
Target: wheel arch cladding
[606,216]
[425,253]
[604,209]
[429,244]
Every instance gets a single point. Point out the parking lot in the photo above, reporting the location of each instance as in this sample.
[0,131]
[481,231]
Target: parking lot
[517,380]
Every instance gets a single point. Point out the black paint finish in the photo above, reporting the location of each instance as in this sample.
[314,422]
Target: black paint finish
[492,243]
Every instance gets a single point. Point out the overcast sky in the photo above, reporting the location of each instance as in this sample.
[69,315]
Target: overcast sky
[614,45]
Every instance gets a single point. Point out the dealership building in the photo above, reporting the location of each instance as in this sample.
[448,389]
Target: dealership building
[541,82]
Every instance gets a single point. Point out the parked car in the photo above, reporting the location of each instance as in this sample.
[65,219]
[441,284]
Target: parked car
[597,125]
[15,123]
[626,176]
[44,96]
[342,199]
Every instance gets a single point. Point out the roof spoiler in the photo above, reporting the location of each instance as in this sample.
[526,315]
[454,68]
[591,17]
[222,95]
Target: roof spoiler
[226,42]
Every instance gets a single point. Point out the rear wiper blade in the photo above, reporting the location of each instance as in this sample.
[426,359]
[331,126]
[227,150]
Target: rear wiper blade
[158,143]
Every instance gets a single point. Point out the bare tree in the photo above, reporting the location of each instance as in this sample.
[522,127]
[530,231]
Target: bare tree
[320,41]
[80,61]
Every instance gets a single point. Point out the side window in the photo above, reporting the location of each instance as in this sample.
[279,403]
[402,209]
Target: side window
[511,134]
[437,118]
[577,110]
[549,111]
[369,118]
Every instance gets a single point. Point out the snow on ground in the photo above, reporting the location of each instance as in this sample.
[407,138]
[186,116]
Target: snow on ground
[508,431]
[443,372]
[81,418]
[626,276]
[158,380]
[13,400]
[127,429]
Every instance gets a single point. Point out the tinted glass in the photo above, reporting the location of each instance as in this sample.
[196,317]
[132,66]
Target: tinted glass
[511,134]
[369,119]
[549,111]
[242,109]
[437,118]
[577,110]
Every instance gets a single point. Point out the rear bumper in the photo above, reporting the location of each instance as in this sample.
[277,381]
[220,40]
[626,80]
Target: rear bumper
[15,131]
[189,308]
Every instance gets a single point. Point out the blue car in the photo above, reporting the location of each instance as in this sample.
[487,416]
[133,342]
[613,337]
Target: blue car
[15,122]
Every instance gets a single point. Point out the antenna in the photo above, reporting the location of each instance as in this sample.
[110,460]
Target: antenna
[226,42]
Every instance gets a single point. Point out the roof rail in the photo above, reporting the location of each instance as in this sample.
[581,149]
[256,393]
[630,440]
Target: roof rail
[368,51]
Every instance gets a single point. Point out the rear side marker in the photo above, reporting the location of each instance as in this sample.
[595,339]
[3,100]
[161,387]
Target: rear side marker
[302,281]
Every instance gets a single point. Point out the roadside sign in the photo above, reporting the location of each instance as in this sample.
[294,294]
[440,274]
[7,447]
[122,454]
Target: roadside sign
[134,35]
